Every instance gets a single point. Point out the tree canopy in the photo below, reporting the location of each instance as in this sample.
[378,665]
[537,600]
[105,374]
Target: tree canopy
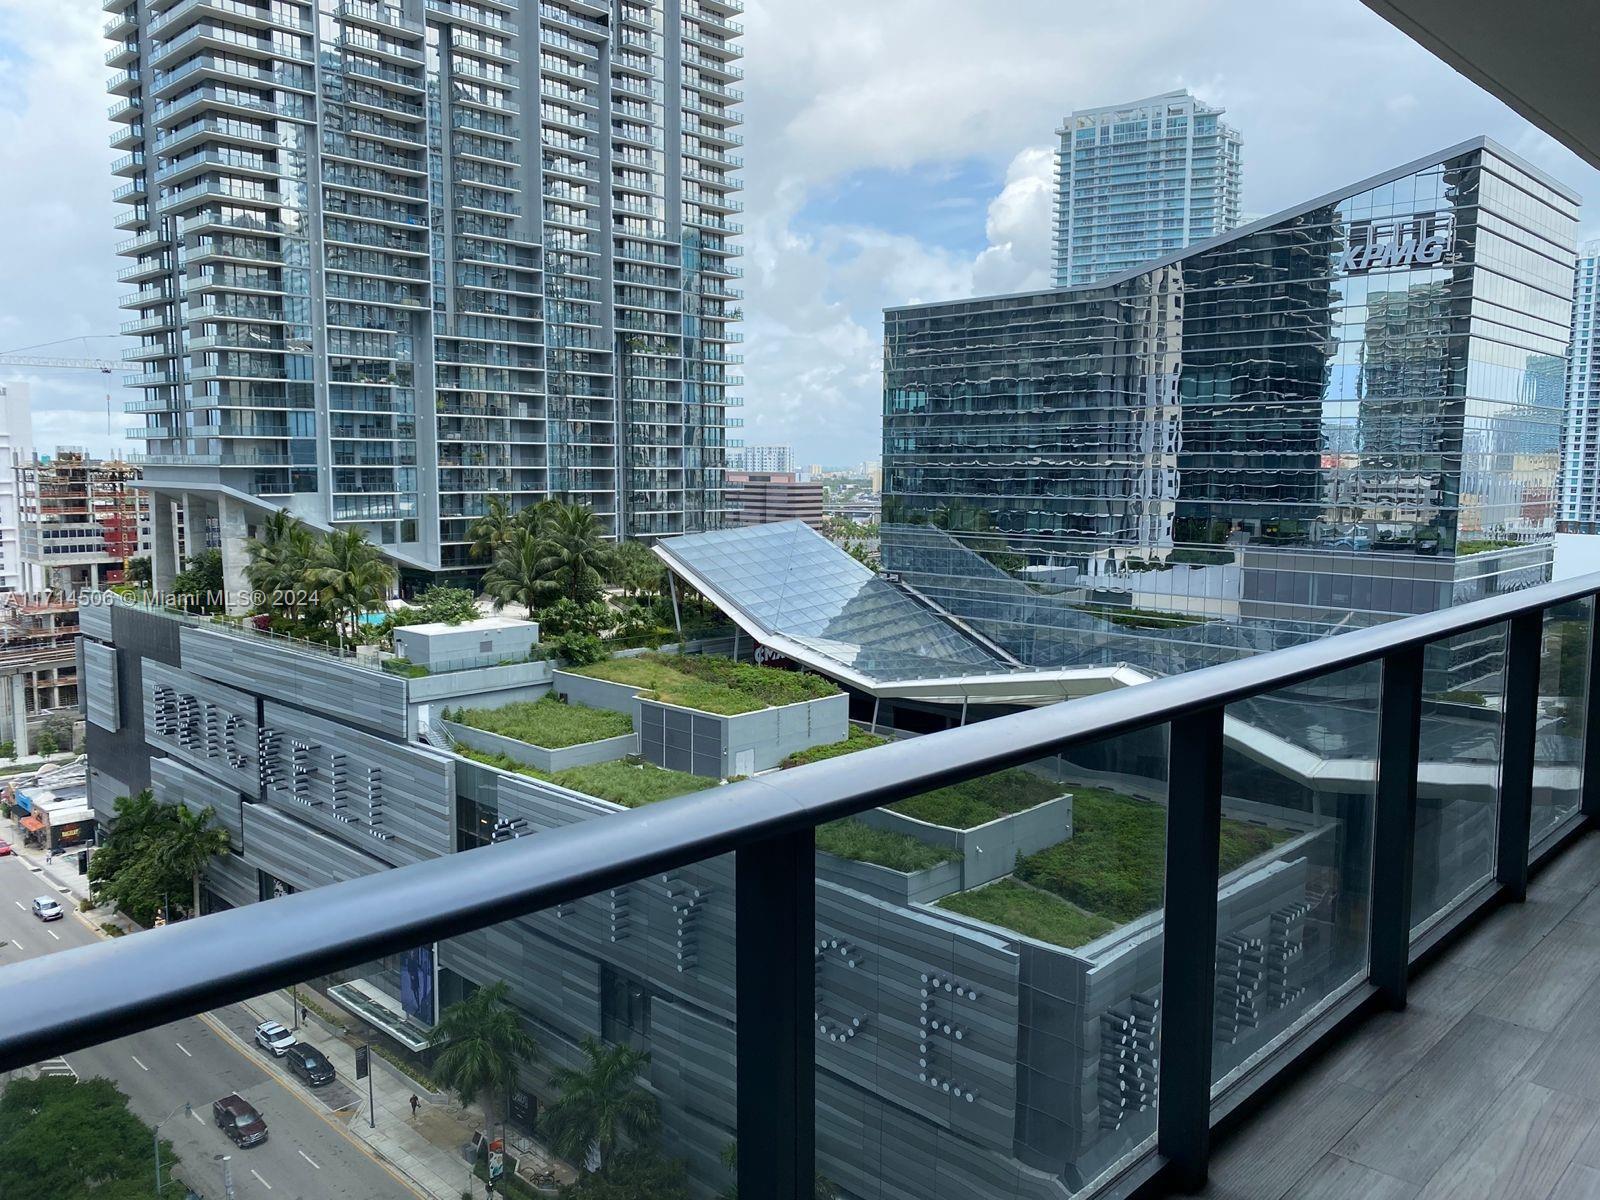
[481,1042]
[153,855]
[601,1104]
[64,1139]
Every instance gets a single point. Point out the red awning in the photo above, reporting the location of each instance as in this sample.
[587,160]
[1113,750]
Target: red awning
[33,823]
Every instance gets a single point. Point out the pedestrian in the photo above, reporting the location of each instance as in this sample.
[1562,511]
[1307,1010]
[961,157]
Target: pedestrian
[304,1015]
[414,1103]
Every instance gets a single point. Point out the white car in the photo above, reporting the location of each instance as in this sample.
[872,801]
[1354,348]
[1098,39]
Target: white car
[272,1036]
[47,908]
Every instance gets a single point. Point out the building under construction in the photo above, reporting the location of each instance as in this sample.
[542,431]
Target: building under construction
[82,521]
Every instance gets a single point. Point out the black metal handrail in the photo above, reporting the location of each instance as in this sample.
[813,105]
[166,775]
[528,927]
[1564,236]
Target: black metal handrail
[65,1001]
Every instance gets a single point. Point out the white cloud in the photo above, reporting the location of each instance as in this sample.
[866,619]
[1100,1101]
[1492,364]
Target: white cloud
[937,90]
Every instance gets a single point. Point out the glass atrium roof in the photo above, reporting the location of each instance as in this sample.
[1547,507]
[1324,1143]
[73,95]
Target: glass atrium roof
[786,582]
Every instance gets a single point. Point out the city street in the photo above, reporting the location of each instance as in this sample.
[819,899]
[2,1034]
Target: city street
[308,1156]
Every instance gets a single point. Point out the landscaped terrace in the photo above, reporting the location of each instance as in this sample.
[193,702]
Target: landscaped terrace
[548,722]
[710,684]
[626,782]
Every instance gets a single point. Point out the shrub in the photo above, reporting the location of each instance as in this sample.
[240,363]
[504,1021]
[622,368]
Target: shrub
[579,649]
[46,743]
[858,739]
[404,666]
[8,749]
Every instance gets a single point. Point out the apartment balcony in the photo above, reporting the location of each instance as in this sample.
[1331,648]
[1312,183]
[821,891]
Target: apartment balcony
[474,16]
[386,17]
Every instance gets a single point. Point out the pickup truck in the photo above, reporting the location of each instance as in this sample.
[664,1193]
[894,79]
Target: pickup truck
[238,1118]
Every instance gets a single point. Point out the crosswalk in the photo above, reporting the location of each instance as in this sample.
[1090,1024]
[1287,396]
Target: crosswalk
[57,1068]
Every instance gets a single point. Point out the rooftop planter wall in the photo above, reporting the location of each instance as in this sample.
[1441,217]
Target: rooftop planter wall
[715,745]
[885,883]
[539,757]
[990,850]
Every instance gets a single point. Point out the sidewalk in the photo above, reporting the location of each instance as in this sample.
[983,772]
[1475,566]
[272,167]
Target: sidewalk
[427,1151]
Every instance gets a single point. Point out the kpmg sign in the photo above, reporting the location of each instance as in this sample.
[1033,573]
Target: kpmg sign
[1417,241]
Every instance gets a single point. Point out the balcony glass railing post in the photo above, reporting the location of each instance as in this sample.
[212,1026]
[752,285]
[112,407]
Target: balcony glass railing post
[1589,779]
[1395,822]
[1519,726]
[1189,939]
[776,999]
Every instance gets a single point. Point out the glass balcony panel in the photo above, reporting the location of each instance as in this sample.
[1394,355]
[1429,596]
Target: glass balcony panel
[1295,865]
[1558,749]
[1458,779]
[988,978]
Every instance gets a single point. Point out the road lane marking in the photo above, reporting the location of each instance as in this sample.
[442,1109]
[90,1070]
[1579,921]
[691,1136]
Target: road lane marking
[264,1183]
[195,1113]
[181,1046]
[309,1159]
[53,934]
[231,1040]
[135,1058]
[17,944]
[18,903]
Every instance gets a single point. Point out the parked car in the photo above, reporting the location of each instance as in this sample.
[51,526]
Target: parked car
[47,908]
[310,1064]
[274,1037]
[5,848]
[238,1118]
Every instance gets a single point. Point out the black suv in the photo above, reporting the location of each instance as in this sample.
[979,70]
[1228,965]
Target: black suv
[310,1064]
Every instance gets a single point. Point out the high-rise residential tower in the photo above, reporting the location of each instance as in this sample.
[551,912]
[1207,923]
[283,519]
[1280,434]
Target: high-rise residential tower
[761,458]
[1579,508]
[1136,181]
[391,260]
[16,448]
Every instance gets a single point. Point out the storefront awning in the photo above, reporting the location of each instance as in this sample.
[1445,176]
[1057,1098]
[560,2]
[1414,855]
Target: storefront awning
[33,823]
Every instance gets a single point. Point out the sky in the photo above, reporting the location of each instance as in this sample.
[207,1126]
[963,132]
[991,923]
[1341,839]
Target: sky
[896,151]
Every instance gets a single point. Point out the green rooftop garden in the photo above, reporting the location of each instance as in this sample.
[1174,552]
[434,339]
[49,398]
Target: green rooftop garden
[711,684]
[854,839]
[859,739]
[547,722]
[1114,865]
[1030,912]
[1467,546]
[625,782]
[959,806]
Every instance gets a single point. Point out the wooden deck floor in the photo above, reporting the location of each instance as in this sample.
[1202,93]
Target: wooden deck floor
[1486,1088]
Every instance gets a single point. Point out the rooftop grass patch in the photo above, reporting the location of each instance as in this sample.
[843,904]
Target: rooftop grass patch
[710,684]
[897,851]
[547,722]
[959,806]
[859,739]
[1115,862]
[1030,912]
[979,801]
[629,784]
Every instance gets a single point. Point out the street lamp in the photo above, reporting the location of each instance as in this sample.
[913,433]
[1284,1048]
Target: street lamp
[155,1136]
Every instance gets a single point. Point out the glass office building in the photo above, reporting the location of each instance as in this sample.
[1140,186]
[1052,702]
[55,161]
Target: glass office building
[1579,510]
[1342,413]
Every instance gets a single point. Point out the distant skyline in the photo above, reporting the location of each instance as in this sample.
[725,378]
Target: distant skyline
[896,153]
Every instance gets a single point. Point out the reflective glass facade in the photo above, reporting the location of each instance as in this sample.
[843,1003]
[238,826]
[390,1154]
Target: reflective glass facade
[1580,435]
[1346,412]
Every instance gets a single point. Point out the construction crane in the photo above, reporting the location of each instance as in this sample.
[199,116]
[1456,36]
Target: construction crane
[103,365]
[23,357]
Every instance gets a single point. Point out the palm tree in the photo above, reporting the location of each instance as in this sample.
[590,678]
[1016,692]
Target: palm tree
[350,576]
[483,1043]
[489,530]
[634,569]
[189,844]
[280,554]
[601,1104]
[573,551]
[513,577]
